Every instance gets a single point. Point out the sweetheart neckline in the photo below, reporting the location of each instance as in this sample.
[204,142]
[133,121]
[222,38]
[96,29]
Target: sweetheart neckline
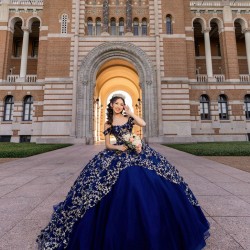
[121,125]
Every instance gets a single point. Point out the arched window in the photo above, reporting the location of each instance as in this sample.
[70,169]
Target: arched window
[169,24]
[113,26]
[64,24]
[8,108]
[204,107]
[121,26]
[98,26]
[223,107]
[90,26]
[144,27]
[27,108]
[247,106]
[136,27]
[197,47]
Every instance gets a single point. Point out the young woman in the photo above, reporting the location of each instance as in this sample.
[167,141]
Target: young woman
[126,199]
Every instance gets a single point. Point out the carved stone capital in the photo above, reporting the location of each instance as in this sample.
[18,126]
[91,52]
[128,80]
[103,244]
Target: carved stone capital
[26,29]
[206,30]
[246,30]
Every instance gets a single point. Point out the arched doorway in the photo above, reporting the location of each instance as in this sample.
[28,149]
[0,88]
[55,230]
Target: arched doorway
[89,71]
[115,76]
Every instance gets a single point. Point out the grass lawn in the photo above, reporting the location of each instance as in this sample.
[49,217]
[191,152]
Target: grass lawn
[214,148]
[20,150]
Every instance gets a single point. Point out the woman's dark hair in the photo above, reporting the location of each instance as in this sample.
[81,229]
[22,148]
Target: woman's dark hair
[110,110]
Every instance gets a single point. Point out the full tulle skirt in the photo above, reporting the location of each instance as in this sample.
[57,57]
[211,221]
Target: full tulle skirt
[127,201]
[143,211]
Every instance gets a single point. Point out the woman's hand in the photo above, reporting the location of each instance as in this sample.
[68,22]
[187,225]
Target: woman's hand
[138,149]
[122,148]
[128,110]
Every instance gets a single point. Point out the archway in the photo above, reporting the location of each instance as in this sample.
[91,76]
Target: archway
[115,76]
[89,71]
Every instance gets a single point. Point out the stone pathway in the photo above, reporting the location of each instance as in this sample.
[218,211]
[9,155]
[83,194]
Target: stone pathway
[30,187]
[239,162]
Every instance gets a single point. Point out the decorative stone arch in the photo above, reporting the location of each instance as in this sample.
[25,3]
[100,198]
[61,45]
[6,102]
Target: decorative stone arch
[218,21]
[86,84]
[200,20]
[12,22]
[242,21]
[31,20]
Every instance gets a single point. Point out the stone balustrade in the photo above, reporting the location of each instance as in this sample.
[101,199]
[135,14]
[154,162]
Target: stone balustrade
[14,78]
[24,2]
[216,3]
[245,78]
[201,78]
[219,77]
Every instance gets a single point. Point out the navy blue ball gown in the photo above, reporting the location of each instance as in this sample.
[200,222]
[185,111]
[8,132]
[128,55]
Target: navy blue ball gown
[127,201]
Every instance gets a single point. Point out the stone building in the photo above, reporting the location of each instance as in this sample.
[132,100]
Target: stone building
[185,65]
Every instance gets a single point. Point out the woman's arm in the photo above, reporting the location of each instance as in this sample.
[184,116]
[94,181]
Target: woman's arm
[137,120]
[109,145]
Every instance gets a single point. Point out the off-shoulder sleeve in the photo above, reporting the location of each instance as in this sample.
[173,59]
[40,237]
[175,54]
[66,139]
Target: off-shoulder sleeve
[131,120]
[107,131]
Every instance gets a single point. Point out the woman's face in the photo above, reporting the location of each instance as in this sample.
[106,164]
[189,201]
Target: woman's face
[118,106]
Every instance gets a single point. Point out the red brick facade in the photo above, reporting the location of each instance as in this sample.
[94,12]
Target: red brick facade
[172,35]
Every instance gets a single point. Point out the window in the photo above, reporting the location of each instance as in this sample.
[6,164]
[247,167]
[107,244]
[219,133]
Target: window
[218,49]
[223,107]
[35,45]
[98,26]
[121,27]
[8,108]
[204,107]
[247,106]
[144,27]
[136,27]
[5,138]
[90,27]
[169,24]
[17,48]
[27,108]
[113,26]
[25,138]
[64,24]
[197,47]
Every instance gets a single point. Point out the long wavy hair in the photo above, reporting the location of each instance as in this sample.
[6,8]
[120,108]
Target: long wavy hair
[110,109]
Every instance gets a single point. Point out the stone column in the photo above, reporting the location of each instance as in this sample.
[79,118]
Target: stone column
[228,44]
[24,59]
[209,64]
[158,67]
[75,72]
[128,15]
[247,42]
[5,36]
[105,27]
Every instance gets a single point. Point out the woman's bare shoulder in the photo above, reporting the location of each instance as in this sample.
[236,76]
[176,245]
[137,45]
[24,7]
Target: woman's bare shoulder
[106,125]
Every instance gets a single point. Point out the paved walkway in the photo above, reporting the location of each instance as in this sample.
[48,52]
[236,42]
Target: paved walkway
[30,187]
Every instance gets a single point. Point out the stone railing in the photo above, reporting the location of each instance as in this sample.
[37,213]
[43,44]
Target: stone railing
[12,78]
[219,78]
[205,3]
[216,3]
[201,78]
[245,78]
[29,78]
[26,2]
